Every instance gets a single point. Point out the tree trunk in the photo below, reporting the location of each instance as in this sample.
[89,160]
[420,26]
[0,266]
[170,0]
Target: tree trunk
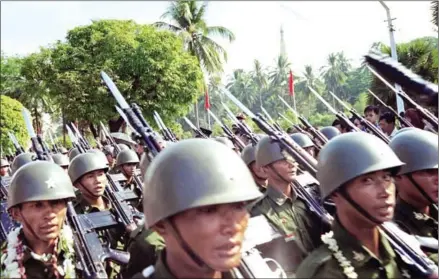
[197,120]
[63,127]
[93,130]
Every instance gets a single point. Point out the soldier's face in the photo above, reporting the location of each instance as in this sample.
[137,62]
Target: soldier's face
[4,171]
[129,169]
[311,150]
[94,182]
[374,192]
[41,219]
[286,169]
[215,233]
[426,179]
[110,159]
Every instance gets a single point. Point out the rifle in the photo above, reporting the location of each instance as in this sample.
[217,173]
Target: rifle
[402,120]
[369,126]
[37,144]
[89,250]
[304,159]
[137,137]
[82,141]
[135,118]
[340,115]
[316,133]
[197,131]
[274,123]
[75,140]
[54,146]
[117,150]
[7,224]
[297,126]
[166,132]
[18,148]
[242,126]
[236,141]
[406,79]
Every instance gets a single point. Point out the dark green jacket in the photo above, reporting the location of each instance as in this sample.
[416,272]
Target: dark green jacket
[161,270]
[144,246]
[322,263]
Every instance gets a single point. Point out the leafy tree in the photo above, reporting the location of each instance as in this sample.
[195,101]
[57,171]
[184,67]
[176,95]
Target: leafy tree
[11,120]
[434,12]
[10,74]
[148,66]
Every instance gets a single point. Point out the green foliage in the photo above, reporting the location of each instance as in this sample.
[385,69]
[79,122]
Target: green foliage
[420,56]
[148,66]
[10,74]
[11,120]
[60,141]
[321,120]
[361,102]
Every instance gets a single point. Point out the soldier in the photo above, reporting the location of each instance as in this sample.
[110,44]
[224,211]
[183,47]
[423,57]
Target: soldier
[43,246]
[372,114]
[227,142]
[61,160]
[330,132]
[22,160]
[281,205]
[73,153]
[87,172]
[126,162]
[248,155]
[417,182]
[363,191]
[305,142]
[4,167]
[108,151]
[200,210]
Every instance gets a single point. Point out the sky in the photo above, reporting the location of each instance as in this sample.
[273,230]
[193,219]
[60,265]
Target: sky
[312,29]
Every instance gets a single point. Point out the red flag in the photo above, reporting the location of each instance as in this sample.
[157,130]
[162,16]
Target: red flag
[206,101]
[291,83]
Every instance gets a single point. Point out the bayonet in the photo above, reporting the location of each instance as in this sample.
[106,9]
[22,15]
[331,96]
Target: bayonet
[227,131]
[36,144]
[197,131]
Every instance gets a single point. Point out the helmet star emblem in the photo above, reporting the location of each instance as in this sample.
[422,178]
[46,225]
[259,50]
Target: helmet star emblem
[50,183]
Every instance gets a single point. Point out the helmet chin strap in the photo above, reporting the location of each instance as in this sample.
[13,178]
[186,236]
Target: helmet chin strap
[417,186]
[186,247]
[366,214]
[278,174]
[88,191]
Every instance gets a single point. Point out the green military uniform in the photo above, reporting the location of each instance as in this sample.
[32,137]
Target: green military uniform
[161,270]
[34,268]
[144,246]
[129,156]
[414,222]
[321,263]
[37,181]
[291,217]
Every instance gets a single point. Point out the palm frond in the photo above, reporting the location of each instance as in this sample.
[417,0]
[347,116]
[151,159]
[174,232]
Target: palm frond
[168,26]
[221,31]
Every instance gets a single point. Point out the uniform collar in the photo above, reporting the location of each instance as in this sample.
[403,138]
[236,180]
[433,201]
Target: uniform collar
[87,208]
[27,250]
[413,213]
[161,269]
[355,252]
[278,197]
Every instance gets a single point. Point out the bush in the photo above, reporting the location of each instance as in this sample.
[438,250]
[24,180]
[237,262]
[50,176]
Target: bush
[11,120]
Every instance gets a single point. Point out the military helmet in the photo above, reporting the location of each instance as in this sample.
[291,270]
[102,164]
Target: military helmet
[39,180]
[193,173]
[21,160]
[418,149]
[63,150]
[61,160]
[73,153]
[85,163]
[225,141]
[248,154]
[126,157]
[121,147]
[108,150]
[99,153]
[302,140]
[268,152]
[4,163]
[405,129]
[329,132]
[350,155]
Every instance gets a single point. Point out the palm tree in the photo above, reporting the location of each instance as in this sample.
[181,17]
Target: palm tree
[241,85]
[434,12]
[187,20]
[309,80]
[259,78]
[333,73]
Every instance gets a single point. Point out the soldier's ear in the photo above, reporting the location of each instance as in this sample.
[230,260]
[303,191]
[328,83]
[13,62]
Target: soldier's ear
[15,213]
